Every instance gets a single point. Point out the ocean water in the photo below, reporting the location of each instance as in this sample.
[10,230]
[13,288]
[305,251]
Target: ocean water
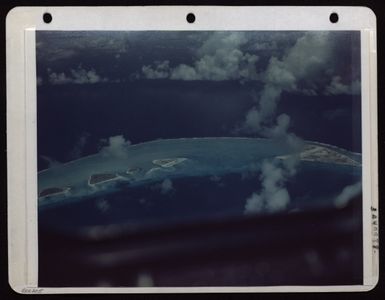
[196,199]
[81,116]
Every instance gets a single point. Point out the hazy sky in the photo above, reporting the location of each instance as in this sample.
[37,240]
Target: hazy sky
[307,62]
[238,80]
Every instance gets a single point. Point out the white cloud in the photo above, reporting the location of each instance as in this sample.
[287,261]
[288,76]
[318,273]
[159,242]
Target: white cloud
[254,204]
[103,205]
[305,60]
[222,40]
[278,76]
[231,56]
[184,72]
[253,120]
[160,71]
[58,78]
[337,87]
[280,129]
[82,76]
[265,45]
[273,196]
[279,199]
[225,64]
[77,150]
[66,45]
[77,76]
[219,58]
[117,147]
[347,194]
[166,186]
[309,55]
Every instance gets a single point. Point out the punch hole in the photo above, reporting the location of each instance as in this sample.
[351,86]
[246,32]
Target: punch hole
[190,18]
[333,17]
[47,18]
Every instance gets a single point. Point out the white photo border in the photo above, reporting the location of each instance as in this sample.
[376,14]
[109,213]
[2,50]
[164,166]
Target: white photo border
[23,22]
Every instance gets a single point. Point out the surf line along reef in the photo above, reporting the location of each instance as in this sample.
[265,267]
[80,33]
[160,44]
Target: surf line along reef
[153,161]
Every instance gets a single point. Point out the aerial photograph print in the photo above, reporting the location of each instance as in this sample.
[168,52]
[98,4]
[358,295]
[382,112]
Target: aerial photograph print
[199,158]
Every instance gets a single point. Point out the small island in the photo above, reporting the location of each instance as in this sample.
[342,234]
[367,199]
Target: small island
[101,178]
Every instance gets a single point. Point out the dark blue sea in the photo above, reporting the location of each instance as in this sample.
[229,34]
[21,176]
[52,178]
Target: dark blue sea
[74,119]
[196,199]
